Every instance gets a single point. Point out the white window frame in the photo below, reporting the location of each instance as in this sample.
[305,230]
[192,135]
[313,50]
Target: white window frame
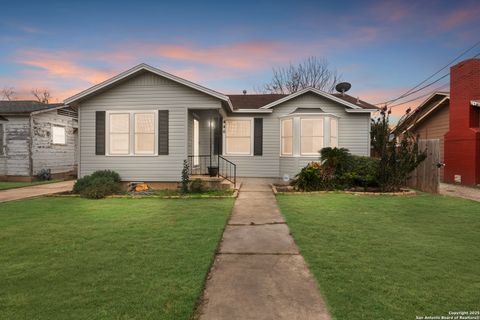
[225,153]
[282,153]
[131,133]
[300,135]
[64,135]
[196,141]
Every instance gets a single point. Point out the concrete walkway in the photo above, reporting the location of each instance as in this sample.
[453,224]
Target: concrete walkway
[460,191]
[35,191]
[258,272]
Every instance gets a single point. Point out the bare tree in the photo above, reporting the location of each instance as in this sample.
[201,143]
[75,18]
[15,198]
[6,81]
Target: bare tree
[311,72]
[42,96]
[8,93]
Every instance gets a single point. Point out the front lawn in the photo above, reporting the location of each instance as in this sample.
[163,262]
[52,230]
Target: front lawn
[385,257]
[72,258]
[4,185]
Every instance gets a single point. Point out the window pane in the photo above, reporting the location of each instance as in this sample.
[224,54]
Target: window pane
[312,127]
[287,145]
[238,136]
[145,123]
[119,123]
[58,135]
[287,128]
[311,145]
[145,143]
[238,128]
[238,145]
[119,143]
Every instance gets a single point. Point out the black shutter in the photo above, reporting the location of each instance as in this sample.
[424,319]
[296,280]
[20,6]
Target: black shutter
[217,136]
[100,132]
[258,137]
[162,132]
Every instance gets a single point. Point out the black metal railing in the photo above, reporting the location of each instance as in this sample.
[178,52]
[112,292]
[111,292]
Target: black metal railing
[214,166]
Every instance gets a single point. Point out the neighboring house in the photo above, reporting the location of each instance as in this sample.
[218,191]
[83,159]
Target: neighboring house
[454,119]
[143,123]
[36,136]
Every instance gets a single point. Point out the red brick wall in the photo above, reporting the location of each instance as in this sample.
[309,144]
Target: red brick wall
[462,142]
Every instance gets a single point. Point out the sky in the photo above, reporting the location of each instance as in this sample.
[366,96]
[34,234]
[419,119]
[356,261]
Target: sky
[383,48]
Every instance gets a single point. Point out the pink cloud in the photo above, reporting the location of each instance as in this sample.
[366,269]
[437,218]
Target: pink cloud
[459,17]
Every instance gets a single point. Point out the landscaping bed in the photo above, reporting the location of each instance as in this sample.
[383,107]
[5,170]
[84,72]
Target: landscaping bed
[106,259]
[389,257]
[286,189]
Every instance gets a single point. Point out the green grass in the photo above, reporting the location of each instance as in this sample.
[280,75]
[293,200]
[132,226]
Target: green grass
[4,185]
[386,257]
[72,258]
[209,193]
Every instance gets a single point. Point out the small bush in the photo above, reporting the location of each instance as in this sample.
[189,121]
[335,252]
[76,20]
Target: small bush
[197,186]
[98,185]
[314,177]
[361,172]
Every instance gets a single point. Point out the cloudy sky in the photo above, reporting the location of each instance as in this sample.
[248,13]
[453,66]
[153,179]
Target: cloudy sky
[382,47]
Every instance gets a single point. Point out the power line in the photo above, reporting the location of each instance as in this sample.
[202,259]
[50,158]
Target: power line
[409,92]
[422,96]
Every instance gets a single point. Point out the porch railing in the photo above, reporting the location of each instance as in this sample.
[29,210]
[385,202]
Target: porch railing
[213,165]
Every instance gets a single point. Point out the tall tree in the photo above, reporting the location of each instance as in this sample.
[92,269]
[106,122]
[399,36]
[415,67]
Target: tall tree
[8,93]
[311,72]
[42,96]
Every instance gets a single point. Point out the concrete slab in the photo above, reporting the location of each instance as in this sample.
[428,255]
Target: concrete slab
[262,239]
[35,191]
[255,211]
[262,287]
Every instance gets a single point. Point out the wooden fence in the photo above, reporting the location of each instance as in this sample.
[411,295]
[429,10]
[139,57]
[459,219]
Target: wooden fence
[427,175]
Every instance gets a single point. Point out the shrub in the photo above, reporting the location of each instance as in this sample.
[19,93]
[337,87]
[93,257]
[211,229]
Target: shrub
[98,185]
[45,175]
[337,159]
[314,177]
[361,172]
[197,186]
[185,178]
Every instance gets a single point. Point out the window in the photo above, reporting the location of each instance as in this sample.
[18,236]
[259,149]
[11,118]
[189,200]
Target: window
[333,132]
[132,133]
[144,133]
[119,124]
[58,135]
[238,137]
[311,136]
[287,137]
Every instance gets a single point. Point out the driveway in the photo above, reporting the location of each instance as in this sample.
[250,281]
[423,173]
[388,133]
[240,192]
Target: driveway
[460,191]
[35,191]
[258,272]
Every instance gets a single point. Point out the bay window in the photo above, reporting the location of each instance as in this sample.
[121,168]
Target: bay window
[131,133]
[238,137]
[311,136]
[287,137]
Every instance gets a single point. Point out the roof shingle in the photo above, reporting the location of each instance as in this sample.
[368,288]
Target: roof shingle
[25,106]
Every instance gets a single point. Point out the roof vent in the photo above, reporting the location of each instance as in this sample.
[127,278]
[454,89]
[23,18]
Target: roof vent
[244,91]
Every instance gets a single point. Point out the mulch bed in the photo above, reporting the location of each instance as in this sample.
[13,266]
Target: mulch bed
[289,190]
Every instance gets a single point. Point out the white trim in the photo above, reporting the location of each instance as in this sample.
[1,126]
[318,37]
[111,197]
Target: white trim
[428,112]
[131,133]
[146,67]
[224,151]
[47,110]
[281,137]
[252,111]
[313,90]
[315,114]
[361,110]
[52,125]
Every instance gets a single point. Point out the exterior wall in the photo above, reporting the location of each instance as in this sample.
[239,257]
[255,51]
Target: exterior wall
[462,142]
[45,154]
[15,160]
[146,91]
[435,126]
[353,131]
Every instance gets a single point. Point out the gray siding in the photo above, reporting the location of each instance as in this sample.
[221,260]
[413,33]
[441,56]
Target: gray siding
[15,161]
[354,134]
[144,92]
[45,154]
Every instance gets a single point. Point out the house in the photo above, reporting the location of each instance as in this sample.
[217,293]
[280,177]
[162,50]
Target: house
[36,136]
[454,119]
[144,122]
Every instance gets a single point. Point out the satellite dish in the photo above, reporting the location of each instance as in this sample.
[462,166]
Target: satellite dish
[343,87]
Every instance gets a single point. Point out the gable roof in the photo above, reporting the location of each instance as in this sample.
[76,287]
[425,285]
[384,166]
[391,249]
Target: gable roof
[136,70]
[435,101]
[18,107]
[346,100]
[253,101]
